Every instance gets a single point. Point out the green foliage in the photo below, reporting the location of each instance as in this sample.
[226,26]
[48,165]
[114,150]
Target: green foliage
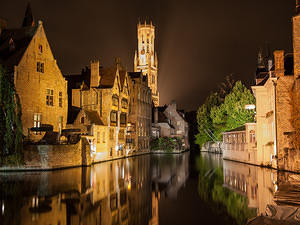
[10,121]
[232,113]
[166,144]
[223,111]
[203,119]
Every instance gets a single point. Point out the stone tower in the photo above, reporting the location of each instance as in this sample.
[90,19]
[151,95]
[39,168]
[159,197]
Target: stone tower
[145,58]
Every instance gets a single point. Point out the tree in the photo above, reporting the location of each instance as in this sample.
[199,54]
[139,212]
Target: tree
[10,119]
[232,113]
[204,121]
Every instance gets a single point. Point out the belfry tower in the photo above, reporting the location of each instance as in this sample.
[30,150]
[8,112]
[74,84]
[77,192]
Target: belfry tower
[145,59]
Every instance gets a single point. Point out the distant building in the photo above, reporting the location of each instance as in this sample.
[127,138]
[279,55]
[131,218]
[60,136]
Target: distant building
[26,54]
[145,59]
[170,122]
[139,130]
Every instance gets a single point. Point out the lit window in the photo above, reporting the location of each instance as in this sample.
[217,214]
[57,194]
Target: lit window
[49,97]
[37,120]
[113,117]
[123,119]
[60,99]
[115,100]
[124,103]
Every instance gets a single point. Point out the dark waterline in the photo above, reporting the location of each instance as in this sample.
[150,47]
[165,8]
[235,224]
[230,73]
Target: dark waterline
[186,188]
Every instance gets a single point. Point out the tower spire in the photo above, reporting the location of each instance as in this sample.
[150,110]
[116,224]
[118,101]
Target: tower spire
[260,59]
[28,18]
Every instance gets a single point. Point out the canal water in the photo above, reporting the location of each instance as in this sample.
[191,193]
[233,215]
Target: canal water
[184,188]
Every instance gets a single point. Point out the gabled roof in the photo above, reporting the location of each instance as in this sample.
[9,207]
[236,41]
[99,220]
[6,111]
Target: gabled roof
[13,44]
[93,117]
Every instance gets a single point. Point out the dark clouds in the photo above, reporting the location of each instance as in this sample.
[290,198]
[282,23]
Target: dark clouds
[198,42]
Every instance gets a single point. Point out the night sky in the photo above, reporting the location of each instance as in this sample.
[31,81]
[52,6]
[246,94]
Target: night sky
[198,42]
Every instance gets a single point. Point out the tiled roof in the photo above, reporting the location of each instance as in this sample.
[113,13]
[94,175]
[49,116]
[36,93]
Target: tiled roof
[13,44]
[107,77]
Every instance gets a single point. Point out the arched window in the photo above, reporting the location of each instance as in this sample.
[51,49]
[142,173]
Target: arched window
[82,119]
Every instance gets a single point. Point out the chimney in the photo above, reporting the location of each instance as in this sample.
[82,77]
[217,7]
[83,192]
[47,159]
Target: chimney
[279,63]
[95,75]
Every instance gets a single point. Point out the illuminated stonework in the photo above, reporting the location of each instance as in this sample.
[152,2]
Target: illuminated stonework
[145,58]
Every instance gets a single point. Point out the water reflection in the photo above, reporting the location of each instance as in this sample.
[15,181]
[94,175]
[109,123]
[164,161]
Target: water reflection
[125,191]
[249,192]
[144,191]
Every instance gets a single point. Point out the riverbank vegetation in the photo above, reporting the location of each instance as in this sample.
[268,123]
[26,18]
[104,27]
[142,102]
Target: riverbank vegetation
[10,122]
[166,144]
[224,110]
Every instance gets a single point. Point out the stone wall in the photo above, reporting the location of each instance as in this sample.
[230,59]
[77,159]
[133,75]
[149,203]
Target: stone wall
[57,156]
[283,113]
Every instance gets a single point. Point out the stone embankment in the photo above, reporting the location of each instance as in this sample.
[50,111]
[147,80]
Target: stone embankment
[61,156]
[213,147]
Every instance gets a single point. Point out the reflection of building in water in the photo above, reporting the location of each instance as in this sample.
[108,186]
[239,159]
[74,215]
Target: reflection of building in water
[117,192]
[169,173]
[255,183]
[155,216]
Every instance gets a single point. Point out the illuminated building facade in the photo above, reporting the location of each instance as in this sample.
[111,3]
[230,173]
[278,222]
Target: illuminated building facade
[140,109]
[145,59]
[104,93]
[26,54]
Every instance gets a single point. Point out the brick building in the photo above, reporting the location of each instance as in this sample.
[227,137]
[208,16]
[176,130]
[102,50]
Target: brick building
[103,93]
[26,54]
[139,111]
[273,91]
